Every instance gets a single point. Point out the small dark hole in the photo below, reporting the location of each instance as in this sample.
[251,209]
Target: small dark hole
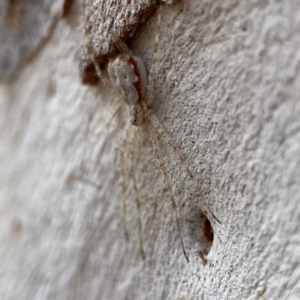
[208,231]
[203,234]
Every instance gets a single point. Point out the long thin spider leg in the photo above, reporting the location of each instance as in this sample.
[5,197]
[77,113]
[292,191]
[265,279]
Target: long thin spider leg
[113,115]
[122,161]
[169,186]
[151,88]
[122,47]
[78,178]
[155,122]
[137,196]
[101,130]
[89,50]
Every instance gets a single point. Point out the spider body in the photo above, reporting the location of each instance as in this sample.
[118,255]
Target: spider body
[128,74]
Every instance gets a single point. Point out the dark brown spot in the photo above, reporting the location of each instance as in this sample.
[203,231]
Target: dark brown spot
[13,13]
[208,231]
[90,76]
[66,7]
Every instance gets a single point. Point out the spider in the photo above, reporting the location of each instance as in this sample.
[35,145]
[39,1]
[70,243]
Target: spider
[128,75]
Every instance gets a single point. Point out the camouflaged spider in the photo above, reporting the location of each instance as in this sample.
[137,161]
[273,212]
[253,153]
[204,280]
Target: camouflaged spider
[128,75]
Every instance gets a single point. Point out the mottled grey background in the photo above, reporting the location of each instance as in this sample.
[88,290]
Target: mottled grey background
[228,86]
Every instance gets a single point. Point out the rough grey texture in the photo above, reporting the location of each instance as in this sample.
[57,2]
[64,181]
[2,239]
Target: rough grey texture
[25,25]
[100,20]
[228,88]
[119,17]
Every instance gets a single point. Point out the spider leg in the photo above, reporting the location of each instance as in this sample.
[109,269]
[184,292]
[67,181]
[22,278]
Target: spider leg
[156,123]
[162,166]
[88,47]
[124,189]
[112,115]
[78,178]
[122,47]
[151,88]
[87,42]
[136,191]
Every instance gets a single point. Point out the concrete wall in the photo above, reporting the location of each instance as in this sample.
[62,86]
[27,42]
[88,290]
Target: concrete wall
[227,91]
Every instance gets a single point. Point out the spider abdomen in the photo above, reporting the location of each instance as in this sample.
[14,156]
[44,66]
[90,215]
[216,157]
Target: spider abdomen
[128,74]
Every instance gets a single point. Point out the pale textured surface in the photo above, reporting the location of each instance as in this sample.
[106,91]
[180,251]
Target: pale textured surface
[114,16]
[226,62]
[101,19]
[25,26]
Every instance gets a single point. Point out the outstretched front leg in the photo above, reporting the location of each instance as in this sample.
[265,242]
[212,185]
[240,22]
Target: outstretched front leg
[156,123]
[151,87]
[124,186]
[136,191]
[162,166]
